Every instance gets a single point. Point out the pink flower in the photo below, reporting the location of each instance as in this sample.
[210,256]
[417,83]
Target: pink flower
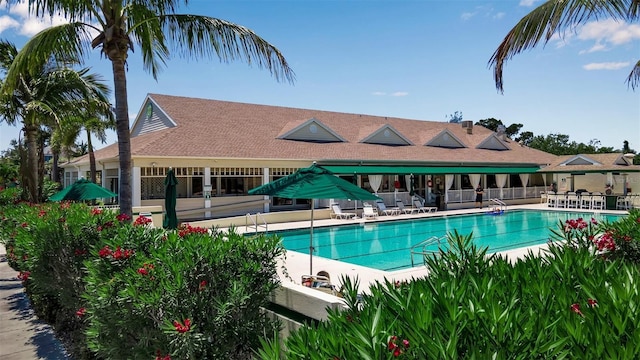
[81,312]
[123,217]
[182,328]
[143,271]
[96,211]
[592,302]
[576,309]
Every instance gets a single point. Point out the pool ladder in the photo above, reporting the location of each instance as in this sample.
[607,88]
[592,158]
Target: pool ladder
[500,203]
[421,247]
[254,222]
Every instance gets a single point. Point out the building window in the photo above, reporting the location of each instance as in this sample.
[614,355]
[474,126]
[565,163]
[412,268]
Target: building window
[87,176]
[190,181]
[232,181]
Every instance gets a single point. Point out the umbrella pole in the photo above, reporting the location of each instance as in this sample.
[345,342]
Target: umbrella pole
[311,242]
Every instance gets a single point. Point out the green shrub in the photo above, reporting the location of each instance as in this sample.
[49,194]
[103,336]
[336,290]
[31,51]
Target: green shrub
[187,293]
[48,244]
[565,304]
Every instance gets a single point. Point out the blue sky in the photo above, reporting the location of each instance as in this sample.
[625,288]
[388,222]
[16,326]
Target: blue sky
[418,59]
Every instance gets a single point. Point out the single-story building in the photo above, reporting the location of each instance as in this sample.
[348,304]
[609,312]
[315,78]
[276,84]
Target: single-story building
[220,150]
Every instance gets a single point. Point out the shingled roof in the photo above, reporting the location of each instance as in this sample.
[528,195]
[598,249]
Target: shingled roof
[612,162]
[221,129]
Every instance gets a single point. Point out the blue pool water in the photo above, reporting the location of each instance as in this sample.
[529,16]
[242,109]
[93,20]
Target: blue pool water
[387,245]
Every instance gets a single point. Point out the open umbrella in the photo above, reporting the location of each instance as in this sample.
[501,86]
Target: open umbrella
[170,182]
[314,182]
[82,189]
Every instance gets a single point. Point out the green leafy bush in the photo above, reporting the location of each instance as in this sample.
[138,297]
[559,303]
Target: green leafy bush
[48,244]
[568,303]
[187,293]
[116,290]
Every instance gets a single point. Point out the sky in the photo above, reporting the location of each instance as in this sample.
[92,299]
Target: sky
[420,59]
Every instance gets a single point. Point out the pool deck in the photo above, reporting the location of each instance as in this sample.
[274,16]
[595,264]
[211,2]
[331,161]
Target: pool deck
[297,264]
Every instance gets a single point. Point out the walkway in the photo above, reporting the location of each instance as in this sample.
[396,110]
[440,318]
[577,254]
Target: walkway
[22,335]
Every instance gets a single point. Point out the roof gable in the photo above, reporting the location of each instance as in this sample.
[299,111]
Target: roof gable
[446,139]
[493,142]
[151,118]
[579,160]
[387,135]
[312,130]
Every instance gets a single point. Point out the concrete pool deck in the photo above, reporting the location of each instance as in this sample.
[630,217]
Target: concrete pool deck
[297,264]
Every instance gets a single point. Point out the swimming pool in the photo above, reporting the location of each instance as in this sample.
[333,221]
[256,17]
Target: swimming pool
[387,245]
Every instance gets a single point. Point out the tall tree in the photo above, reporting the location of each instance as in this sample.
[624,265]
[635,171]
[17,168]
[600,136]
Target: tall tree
[557,17]
[493,123]
[35,100]
[159,32]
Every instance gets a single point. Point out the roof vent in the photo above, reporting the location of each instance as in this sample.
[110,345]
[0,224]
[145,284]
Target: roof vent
[468,124]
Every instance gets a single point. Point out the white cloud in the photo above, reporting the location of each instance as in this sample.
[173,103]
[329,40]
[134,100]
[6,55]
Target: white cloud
[499,15]
[7,22]
[467,15]
[606,66]
[400,93]
[608,33]
[28,25]
[597,47]
[528,3]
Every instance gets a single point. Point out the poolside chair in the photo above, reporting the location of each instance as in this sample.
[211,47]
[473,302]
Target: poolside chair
[424,209]
[598,202]
[623,202]
[320,283]
[337,213]
[382,209]
[368,212]
[573,200]
[404,209]
[585,201]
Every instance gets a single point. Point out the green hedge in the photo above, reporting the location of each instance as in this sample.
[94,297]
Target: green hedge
[115,290]
[575,302]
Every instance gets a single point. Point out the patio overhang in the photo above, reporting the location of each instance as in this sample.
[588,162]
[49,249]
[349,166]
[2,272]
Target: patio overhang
[424,170]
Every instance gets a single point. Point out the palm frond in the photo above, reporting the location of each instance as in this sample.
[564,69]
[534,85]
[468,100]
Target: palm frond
[193,36]
[634,77]
[63,44]
[553,17]
[70,9]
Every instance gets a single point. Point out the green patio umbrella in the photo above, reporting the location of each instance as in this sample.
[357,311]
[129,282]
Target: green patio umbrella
[170,183]
[314,182]
[82,189]
[412,185]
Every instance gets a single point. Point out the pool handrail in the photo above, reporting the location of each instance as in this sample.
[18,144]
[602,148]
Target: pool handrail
[423,244]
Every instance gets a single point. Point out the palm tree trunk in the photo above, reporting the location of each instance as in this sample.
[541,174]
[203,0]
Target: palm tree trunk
[55,176]
[124,136]
[92,158]
[31,133]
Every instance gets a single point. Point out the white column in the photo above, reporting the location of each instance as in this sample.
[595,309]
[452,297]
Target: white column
[136,186]
[265,180]
[207,184]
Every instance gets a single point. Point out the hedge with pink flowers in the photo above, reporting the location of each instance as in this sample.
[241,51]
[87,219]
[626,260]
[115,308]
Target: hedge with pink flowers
[120,290]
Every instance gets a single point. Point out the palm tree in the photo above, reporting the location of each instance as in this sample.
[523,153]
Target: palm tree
[558,16]
[157,30]
[37,99]
[94,120]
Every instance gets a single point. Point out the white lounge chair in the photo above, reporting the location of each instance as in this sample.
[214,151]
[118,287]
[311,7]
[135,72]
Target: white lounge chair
[424,209]
[404,209]
[368,212]
[382,209]
[337,213]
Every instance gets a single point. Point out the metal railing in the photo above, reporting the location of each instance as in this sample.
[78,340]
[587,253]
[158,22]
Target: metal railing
[254,222]
[500,204]
[421,247]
